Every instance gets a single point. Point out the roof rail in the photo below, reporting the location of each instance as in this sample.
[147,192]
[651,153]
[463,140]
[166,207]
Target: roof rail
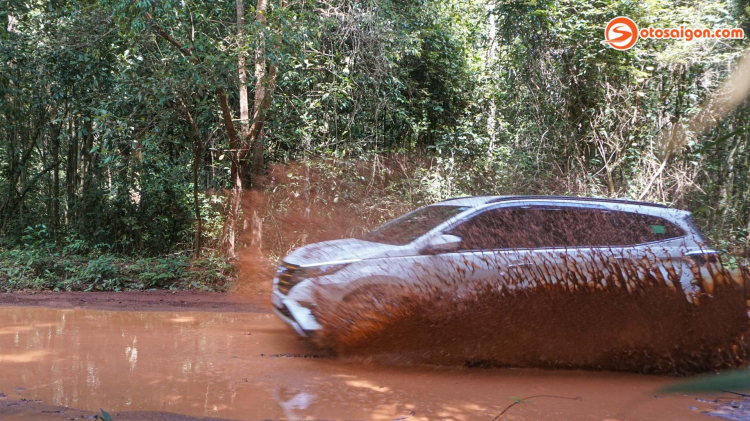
[580,199]
[454,198]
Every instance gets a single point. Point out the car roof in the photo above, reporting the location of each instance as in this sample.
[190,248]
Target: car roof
[478,201]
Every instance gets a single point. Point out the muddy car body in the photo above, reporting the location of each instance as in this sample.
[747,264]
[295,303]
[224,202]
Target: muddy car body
[507,242]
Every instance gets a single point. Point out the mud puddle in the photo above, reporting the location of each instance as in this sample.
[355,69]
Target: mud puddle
[250,366]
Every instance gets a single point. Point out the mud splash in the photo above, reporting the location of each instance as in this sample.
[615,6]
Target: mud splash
[242,366]
[605,312]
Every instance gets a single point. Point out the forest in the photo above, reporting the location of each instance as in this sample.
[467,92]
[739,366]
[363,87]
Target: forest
[164,144]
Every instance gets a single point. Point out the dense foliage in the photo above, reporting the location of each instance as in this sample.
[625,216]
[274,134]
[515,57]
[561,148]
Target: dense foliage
[116,139]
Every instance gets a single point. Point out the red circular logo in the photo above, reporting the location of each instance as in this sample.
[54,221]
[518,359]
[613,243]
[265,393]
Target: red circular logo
[621,33]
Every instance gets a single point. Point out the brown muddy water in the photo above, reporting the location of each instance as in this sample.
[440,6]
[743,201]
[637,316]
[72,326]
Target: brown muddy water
[251,366]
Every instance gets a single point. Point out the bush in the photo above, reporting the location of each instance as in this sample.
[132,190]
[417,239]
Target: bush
[34,269]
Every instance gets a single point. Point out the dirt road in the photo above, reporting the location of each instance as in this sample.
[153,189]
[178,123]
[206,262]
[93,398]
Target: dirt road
[158,300]
[158,355]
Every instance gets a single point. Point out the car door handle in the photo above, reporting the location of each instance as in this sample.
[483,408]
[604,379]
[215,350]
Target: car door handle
[520,265]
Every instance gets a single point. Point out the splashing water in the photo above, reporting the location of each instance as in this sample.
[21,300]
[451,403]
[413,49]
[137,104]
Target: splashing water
[599,312]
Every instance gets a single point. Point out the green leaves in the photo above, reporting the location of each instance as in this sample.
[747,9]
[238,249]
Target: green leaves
[498,97]
[105,416]
[82,268]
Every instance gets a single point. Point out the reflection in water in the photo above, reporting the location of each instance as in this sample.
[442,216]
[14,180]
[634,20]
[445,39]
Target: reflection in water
[187,319]
[24,357]
[293,403]
[367,385]
[131,352]
[151,361]
[206,364]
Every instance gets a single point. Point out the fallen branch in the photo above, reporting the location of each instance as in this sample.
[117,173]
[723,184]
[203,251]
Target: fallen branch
[577,398]
[744,395]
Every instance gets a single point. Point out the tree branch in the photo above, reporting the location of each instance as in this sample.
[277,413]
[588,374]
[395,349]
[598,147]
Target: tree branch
[162,33]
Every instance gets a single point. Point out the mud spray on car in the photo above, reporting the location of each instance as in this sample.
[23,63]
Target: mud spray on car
[601,310]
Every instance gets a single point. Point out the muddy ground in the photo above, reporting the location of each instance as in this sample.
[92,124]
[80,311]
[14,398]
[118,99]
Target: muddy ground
[158,300]
[22,409]
[164,301]
[186,356]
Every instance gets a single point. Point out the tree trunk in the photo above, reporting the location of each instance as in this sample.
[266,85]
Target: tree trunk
[197,144]
[55,222]
[244,107]
[491,56]
[71,170]
[234,204]
[198,218]
[265,80]
[230,226]
[88,144]
[251,135]
[237,146]
[264,84]
[244,111]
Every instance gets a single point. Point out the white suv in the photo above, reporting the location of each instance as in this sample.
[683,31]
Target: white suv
[503,239]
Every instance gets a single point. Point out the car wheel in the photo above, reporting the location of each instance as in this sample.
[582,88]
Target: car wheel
[365,311]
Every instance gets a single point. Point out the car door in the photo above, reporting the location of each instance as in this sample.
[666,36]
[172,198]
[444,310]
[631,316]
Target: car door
[531,255]
[654,245]
[619,249]
[505,248]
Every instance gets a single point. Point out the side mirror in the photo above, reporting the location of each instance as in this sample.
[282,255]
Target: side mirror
[445,243]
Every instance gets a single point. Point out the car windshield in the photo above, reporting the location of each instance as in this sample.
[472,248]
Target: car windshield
[413,225]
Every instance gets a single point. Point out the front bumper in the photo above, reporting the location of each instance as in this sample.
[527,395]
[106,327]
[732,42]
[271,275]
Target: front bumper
[298,317]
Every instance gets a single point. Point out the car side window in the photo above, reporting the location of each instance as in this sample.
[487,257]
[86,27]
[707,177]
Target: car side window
[530,227]
[511,228]
[483,231]
[635,228]
[605,228]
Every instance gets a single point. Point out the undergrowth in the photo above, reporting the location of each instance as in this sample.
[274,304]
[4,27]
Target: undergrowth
[44,269]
